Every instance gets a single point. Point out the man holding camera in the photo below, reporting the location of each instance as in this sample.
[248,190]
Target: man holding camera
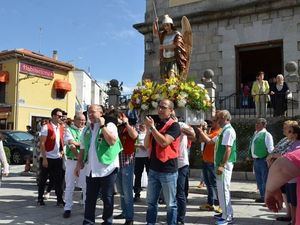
[162,140]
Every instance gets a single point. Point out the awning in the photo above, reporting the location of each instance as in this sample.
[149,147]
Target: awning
[62,85]
[4,76]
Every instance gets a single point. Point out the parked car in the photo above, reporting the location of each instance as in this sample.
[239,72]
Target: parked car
[21,145]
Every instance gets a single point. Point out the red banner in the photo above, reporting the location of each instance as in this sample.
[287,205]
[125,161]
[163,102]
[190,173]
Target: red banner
[35,70]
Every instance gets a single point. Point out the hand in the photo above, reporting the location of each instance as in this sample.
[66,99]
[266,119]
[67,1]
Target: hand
[45,163]
[79,166]
[220,170]
[149,122]
[124,118]
[101,121]
[272,93]
[274,200]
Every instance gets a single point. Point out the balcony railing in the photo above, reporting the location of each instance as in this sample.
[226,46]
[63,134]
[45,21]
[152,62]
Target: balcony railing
[244,106]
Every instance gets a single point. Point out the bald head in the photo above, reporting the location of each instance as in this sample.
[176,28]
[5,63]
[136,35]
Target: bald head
[79,120]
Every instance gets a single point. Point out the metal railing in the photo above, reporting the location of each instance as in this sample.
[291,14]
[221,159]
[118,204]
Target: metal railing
[244,106]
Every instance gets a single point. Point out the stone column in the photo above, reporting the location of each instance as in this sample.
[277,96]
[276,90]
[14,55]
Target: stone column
[293,81]
[210,86]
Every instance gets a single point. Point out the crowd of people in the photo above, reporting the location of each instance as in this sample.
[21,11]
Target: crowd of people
[108,152]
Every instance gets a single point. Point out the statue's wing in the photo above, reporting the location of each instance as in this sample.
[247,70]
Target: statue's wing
[188,41]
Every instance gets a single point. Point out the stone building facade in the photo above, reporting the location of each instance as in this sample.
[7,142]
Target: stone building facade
[235,39]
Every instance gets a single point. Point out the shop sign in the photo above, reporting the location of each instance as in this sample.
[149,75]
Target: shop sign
[37,71]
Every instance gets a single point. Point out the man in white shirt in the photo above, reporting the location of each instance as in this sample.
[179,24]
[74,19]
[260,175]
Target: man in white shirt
[51,147]
[72,140]
[261,145]
[99,151]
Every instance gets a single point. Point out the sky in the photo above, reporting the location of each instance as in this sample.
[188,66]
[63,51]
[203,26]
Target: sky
[94,35]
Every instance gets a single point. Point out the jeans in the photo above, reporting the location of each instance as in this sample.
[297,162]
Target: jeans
[180,195]
[125,186]
[106,186]
[261,174]
[140,163]
[55,173]
[210,182]
[168,183]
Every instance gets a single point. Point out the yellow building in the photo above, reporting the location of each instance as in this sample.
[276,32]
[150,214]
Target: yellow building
[31,85]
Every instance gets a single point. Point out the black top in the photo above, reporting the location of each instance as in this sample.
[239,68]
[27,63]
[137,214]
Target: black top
[170,166]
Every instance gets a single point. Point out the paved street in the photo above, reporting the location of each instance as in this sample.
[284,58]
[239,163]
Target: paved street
[18,206]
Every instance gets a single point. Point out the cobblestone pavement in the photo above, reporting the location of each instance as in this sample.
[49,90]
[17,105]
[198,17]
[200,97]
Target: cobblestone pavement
[18,206]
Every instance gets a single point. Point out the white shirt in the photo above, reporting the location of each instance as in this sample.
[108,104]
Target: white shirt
[54,153]
[268,141]
[68,135]
[183,157]
[141,152]
[93,166]
[229,136]
[3,158]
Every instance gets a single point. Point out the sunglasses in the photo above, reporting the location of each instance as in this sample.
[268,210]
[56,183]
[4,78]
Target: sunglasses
[59,116]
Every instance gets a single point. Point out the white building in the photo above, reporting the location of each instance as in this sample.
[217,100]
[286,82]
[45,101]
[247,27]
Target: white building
[88,90]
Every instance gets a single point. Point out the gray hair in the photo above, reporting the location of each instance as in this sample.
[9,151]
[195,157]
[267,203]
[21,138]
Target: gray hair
[78,115]
[225,114]
[263,121]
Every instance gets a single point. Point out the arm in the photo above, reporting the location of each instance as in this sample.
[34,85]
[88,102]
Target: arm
[220,168]
[110,133]
[280,173]
[269,142]
[189,132]
[147,140]
[163,140]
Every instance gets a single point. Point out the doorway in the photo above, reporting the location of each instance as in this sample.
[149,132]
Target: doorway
[252,58]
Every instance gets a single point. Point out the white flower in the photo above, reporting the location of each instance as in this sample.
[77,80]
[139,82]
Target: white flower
[138,101]
[144,107]
[181,103]
[154,104]
[171,87]
[183,94]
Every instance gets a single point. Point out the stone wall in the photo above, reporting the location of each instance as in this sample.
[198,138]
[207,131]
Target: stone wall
[219,26]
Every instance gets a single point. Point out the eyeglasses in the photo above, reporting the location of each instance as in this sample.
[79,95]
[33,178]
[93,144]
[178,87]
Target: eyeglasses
[163,107]
[59,116]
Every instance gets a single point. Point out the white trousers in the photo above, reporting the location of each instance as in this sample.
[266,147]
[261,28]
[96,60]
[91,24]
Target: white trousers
[71,181]
[223,186]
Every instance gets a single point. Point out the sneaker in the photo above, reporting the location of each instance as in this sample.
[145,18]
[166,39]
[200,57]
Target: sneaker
[222,221]
[47,195]
[206,207]
[120,216]
[218,216]
[41,202]
[217,209]
[67,214]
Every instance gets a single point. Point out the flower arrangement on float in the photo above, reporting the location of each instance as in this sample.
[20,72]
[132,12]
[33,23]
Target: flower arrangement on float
[183,93]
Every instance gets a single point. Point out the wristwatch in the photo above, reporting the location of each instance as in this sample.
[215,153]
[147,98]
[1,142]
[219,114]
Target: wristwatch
[102,126]
[151,129]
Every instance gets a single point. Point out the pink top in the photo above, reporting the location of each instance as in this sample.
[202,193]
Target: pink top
[294,157]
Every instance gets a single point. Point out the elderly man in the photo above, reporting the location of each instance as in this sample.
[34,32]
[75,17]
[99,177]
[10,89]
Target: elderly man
[260,146]
[162,140]
[225,157]
[99,150]
[72,139]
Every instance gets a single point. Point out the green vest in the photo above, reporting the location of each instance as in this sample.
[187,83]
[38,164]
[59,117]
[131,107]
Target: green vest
[260,148]
[106,153]
[76,136]
[220,150]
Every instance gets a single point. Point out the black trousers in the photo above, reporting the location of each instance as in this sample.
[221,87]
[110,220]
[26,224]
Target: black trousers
[106,187]
[54,172]
[140,163]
